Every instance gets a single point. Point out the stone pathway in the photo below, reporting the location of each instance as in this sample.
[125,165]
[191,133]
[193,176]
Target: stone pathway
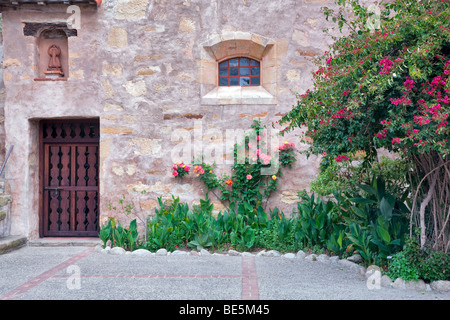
[80,273]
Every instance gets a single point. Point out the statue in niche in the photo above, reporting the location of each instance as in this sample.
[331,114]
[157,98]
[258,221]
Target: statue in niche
[54,66]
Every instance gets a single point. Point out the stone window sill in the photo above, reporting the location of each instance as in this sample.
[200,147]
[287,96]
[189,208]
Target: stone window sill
[238,95]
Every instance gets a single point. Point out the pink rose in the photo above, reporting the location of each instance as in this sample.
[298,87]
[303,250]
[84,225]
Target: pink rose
[249,177]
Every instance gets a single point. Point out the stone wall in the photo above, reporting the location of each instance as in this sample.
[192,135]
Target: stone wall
[148,70]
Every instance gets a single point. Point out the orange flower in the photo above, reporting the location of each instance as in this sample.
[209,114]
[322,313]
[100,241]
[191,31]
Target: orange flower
[229,182]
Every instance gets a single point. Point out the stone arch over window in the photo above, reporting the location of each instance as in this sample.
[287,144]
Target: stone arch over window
[229,45]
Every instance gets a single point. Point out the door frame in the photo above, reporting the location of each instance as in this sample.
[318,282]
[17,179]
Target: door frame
[41,149]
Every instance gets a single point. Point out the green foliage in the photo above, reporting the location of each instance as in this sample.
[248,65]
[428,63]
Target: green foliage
[119,236]
[241,226]
[413,263]
[314,221]
[378,222]
[170,226]
[106,233]
[371,222]
[346,176]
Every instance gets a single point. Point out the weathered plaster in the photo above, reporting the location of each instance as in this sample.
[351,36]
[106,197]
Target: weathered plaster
[147,69]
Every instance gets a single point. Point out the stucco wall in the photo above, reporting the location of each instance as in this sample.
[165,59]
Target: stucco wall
[143,67]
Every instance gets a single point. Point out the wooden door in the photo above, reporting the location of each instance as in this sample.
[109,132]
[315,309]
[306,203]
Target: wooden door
[69,178]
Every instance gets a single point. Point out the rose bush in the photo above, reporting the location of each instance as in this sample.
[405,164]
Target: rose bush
[180,169]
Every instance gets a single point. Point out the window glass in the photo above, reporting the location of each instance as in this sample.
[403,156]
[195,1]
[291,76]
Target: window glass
[234,81]
[255,81]
[244,61]
[244,72]
[223,72]
[234,62]
[245,81]
[239,72]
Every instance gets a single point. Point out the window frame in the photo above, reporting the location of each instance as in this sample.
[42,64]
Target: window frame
[239,76]
[232,44]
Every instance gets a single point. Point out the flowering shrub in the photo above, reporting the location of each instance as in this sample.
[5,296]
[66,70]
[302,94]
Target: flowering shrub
[199,170]
[377,86]
[245,183]
[386,88]
[179,170]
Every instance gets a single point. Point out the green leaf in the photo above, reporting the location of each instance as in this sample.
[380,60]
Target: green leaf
[384,234]
[360,213]
[386,209]
[368,189]
[362,200]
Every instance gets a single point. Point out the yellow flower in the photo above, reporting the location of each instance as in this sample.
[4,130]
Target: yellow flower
[274,177]
[210,171]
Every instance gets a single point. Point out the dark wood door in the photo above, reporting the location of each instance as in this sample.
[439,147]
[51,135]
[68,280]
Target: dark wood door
[69,178]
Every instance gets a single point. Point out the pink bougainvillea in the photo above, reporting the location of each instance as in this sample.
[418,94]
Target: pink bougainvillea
[386,66]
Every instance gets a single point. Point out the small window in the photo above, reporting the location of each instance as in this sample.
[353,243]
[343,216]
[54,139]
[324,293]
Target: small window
[239,72]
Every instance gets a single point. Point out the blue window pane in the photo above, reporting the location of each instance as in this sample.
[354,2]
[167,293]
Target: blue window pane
[244,72]
[245,81]
[255,81]
[223,64]
[244,61]
[234,71]
[234,62]
[223,82]
[254,63]
[223,72]
[234,81]
[255,71]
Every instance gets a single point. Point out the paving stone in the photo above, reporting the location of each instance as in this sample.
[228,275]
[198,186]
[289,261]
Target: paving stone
[161,252]
[141,252]
[117,251]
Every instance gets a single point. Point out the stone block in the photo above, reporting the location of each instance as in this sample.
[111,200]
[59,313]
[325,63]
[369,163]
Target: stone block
[186,25]
[136,89]
[399,283]
[418,285]
[440,285]
[4,200]
[10,243]
[131,10]
[118,37]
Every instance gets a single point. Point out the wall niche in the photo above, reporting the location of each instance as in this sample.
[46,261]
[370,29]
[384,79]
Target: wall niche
[53,55]
[52,49]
